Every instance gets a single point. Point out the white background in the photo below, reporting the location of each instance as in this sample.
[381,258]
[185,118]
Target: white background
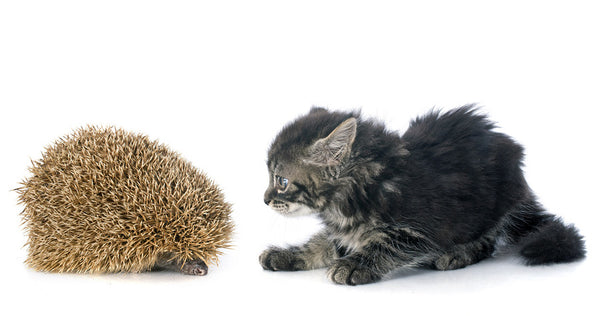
[216,81]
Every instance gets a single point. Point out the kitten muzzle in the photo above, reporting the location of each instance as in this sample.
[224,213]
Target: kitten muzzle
[279,206]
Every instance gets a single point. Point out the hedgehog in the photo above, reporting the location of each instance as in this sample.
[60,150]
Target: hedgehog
[104,200]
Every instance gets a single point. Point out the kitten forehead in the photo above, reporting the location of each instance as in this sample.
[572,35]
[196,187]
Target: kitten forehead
[289,170]
[294,139]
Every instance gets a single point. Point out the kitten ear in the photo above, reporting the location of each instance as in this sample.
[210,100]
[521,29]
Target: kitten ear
[331,150]
[315,109]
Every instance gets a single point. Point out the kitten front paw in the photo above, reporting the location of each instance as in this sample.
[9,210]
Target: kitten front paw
[451,262]
[279,259]
[348,272]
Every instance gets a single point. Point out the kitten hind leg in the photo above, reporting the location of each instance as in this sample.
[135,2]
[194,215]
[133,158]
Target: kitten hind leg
[385,249]
[465,254]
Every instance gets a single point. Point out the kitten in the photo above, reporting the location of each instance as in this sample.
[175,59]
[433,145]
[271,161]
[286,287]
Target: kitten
[444,195]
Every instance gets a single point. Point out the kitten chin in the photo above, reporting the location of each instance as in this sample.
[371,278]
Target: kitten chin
[291,209]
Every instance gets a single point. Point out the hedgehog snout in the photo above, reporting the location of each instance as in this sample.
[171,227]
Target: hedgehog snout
[195,267]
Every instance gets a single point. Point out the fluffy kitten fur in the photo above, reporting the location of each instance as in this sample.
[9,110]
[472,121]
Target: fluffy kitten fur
[444,195]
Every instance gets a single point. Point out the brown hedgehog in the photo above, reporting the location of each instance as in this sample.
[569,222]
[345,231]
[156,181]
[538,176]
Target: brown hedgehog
[105,200]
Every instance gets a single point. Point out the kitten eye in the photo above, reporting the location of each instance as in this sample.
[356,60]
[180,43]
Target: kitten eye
[281,182]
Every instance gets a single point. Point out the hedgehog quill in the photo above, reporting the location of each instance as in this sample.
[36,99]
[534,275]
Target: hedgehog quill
[106,200]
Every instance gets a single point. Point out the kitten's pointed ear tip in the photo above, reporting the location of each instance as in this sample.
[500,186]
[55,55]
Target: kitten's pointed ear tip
[331,150]
[349,124]
[316,108]
[350,121]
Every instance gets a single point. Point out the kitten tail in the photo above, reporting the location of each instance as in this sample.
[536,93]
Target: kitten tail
[552,242]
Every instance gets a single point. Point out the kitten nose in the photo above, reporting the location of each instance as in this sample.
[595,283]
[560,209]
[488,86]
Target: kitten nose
[269,195]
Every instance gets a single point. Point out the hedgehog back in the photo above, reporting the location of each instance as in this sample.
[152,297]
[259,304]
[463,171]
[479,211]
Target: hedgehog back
[106,200]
